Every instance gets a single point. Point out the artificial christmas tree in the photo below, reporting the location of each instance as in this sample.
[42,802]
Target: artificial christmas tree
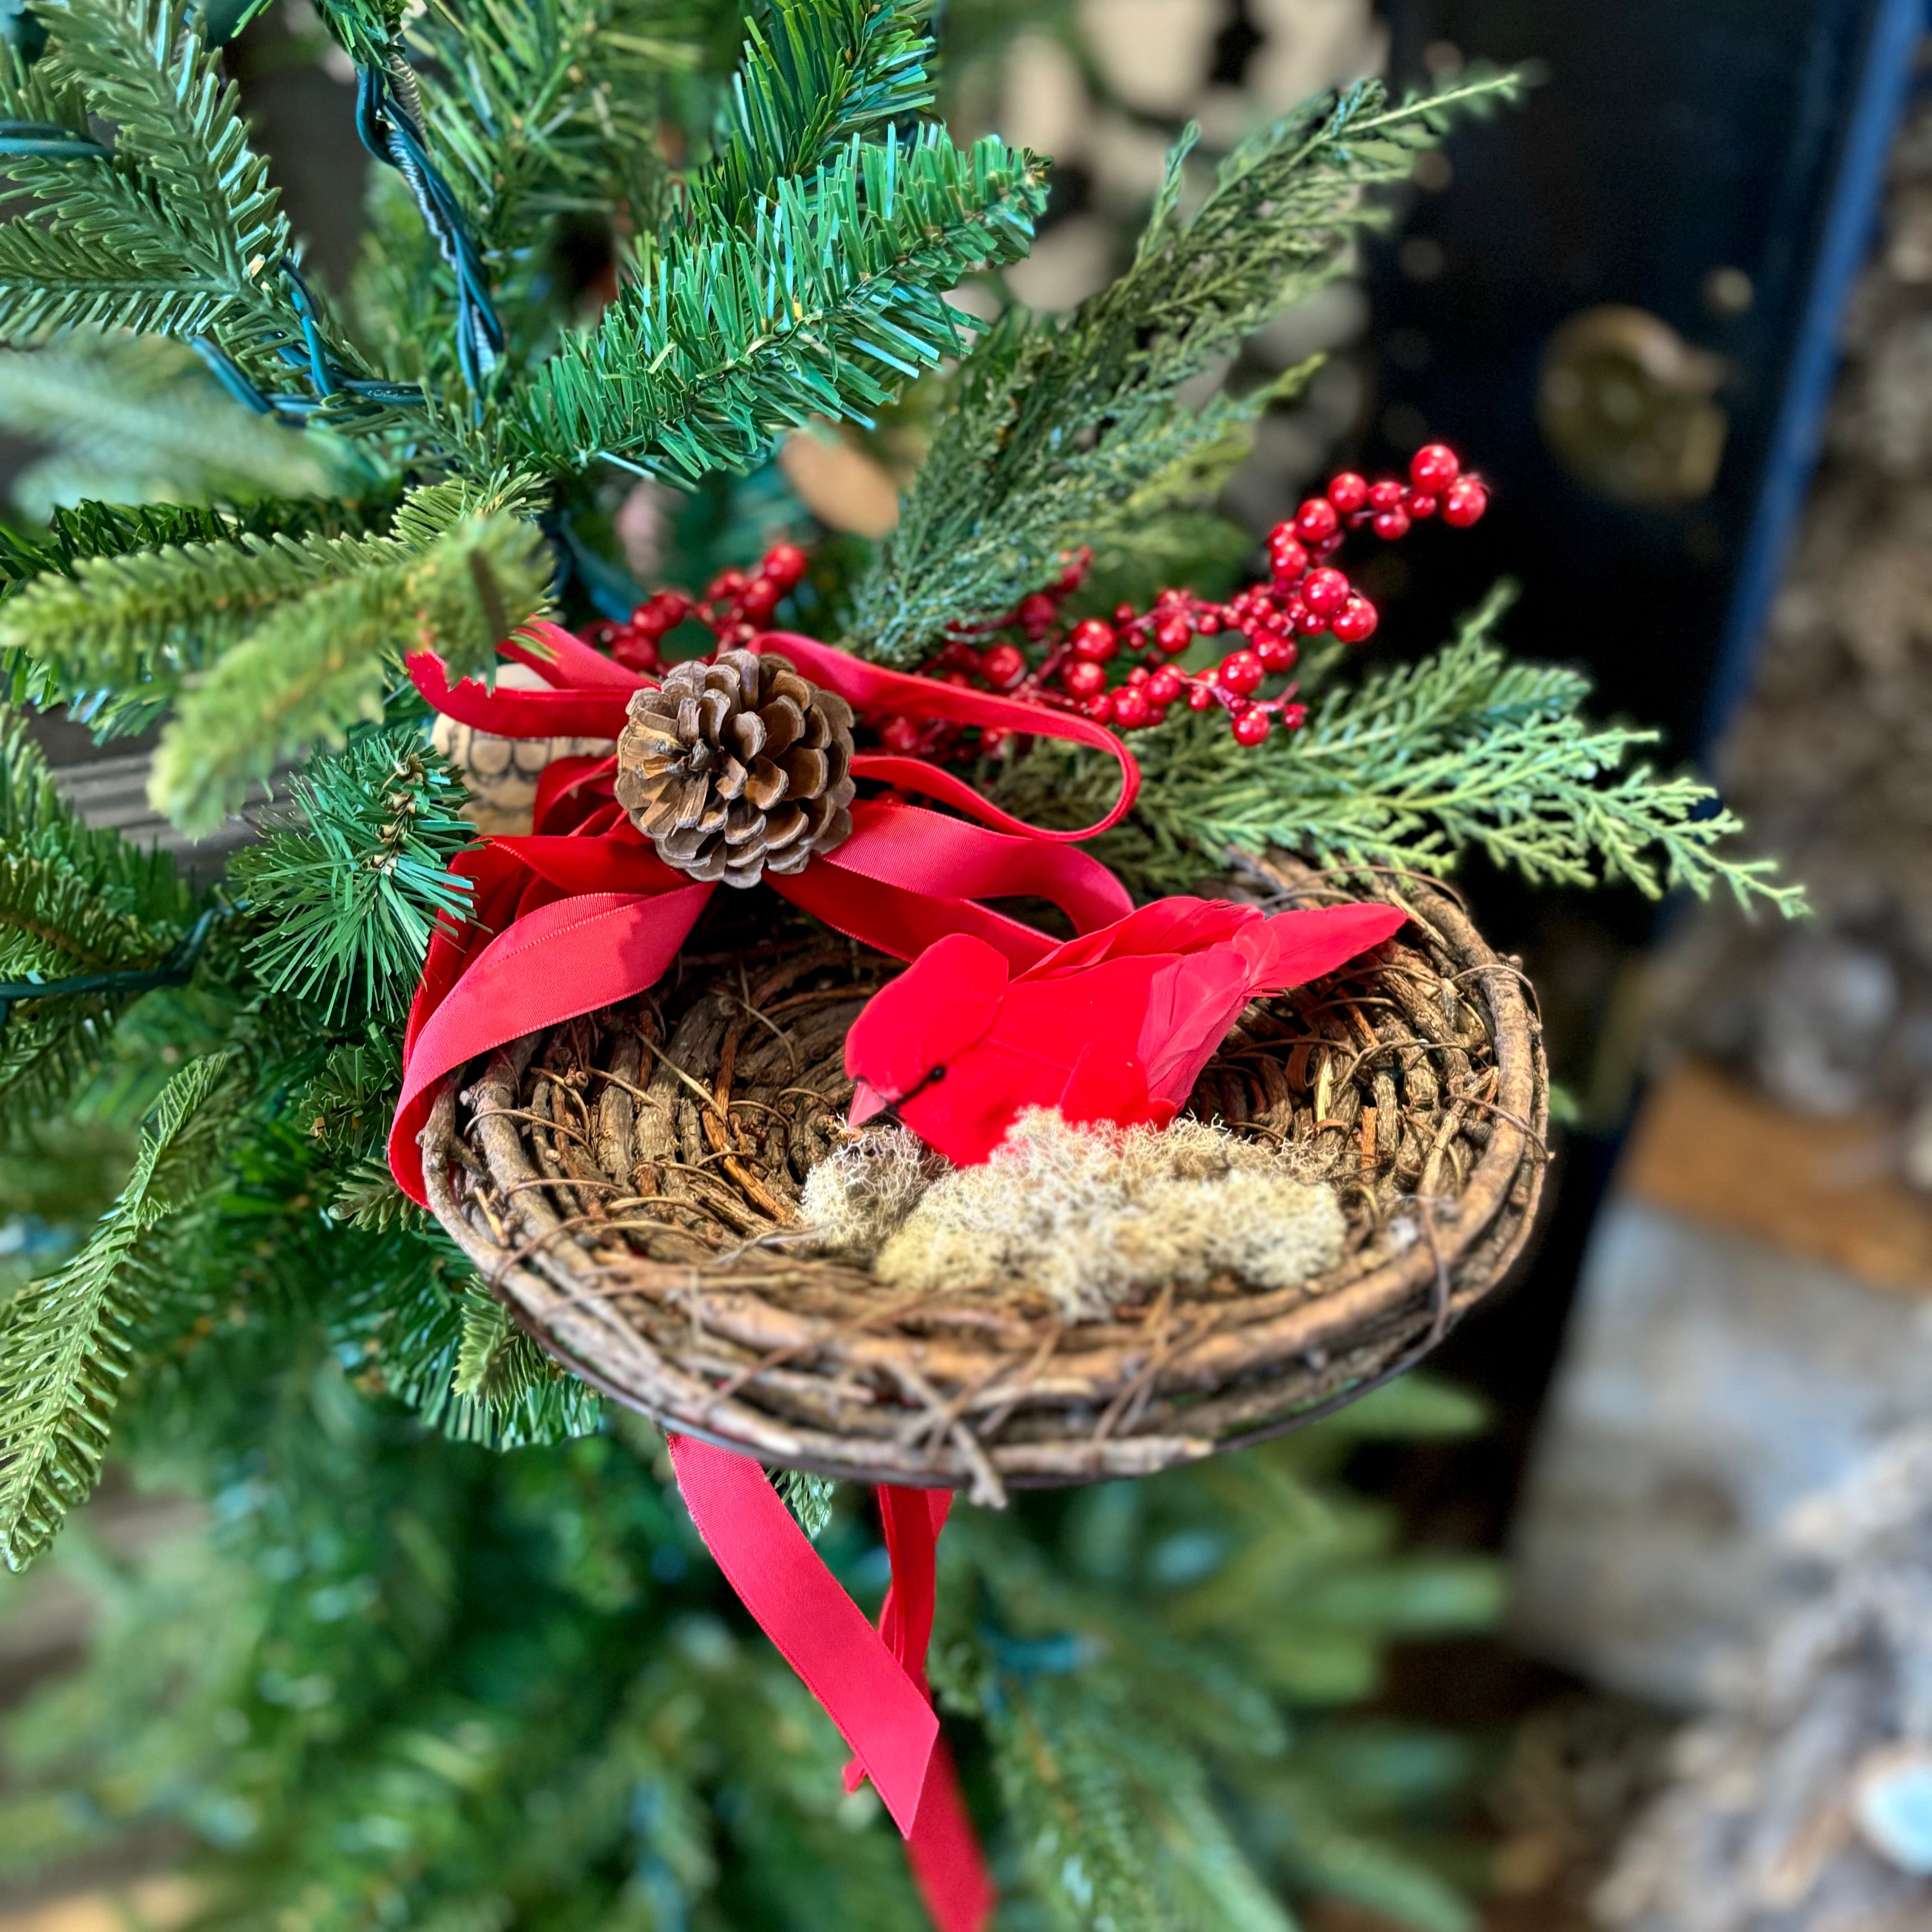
[455,421]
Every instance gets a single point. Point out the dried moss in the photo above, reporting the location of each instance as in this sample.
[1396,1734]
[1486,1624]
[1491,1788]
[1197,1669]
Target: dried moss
[1094,1216]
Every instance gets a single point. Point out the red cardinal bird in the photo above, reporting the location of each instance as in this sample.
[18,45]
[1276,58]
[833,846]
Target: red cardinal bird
[1116,1026]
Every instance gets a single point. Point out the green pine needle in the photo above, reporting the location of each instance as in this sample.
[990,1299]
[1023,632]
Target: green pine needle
[73,901]
[539,116]
[180,233]
[814,74]
[146,619]
[823,307]
[498,1365]
[345,1110]
[65,1343]
[347,892]
[426,1334]
[366,29]
[133,890]
[1080,1828]
[124,418]
[809,1498]
[88,529]
[544,110]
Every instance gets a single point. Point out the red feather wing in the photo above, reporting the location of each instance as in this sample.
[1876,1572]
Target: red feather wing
[1293,948]
[1109,1084]
[1166,926]
[1191,1003]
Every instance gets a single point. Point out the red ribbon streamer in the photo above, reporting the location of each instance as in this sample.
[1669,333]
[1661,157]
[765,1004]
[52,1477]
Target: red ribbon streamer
[871,1683]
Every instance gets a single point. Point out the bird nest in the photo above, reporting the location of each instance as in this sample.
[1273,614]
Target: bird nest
[628,1183]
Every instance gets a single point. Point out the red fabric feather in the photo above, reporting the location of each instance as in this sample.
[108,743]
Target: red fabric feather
[1116,1025]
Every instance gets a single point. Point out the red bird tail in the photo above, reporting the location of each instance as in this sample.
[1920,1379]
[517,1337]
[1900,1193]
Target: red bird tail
[1293,948]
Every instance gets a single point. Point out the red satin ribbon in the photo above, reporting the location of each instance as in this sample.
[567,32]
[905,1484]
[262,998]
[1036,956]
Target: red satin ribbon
[583,914]
[871,1683]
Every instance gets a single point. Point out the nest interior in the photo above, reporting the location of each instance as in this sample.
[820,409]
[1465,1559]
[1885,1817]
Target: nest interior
[628,1182]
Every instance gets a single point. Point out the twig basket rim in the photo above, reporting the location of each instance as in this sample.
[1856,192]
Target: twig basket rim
[817,1365]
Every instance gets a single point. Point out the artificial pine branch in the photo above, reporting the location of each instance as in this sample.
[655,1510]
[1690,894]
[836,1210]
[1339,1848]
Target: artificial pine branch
[73,902]
[317,665]
[178,233]
[543,110]
[65,1343]
[346,891]
[1060,430]
[1354,1863]
[122,880]
[143,621]
[823,306]
[143,67]
[434,1338]
[122,419]
[498,1367]
[345,1109]
[119,634]
[1080,1829]
[87,531]
[366,29]
[813,75]
[809,1498]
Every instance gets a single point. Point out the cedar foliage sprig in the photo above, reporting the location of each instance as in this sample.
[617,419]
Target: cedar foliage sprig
[1058,426]
[356,871]
[65,1343]
[1414,765]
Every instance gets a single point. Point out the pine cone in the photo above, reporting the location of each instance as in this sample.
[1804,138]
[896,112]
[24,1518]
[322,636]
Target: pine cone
[731,767]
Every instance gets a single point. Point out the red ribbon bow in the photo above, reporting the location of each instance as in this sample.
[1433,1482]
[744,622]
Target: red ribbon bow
[583,914]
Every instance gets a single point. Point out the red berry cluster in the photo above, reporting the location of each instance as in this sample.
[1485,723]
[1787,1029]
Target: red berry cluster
[1305,596]
[737,605]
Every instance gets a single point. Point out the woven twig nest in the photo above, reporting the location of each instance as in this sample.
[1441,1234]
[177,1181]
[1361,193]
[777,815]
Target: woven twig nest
[628,1182]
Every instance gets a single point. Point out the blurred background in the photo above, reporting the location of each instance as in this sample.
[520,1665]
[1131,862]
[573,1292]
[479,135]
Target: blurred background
[1678,309]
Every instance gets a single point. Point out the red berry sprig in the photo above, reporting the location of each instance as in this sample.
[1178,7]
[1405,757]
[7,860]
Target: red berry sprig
[1305,596]
[1000,666]
[737,605]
